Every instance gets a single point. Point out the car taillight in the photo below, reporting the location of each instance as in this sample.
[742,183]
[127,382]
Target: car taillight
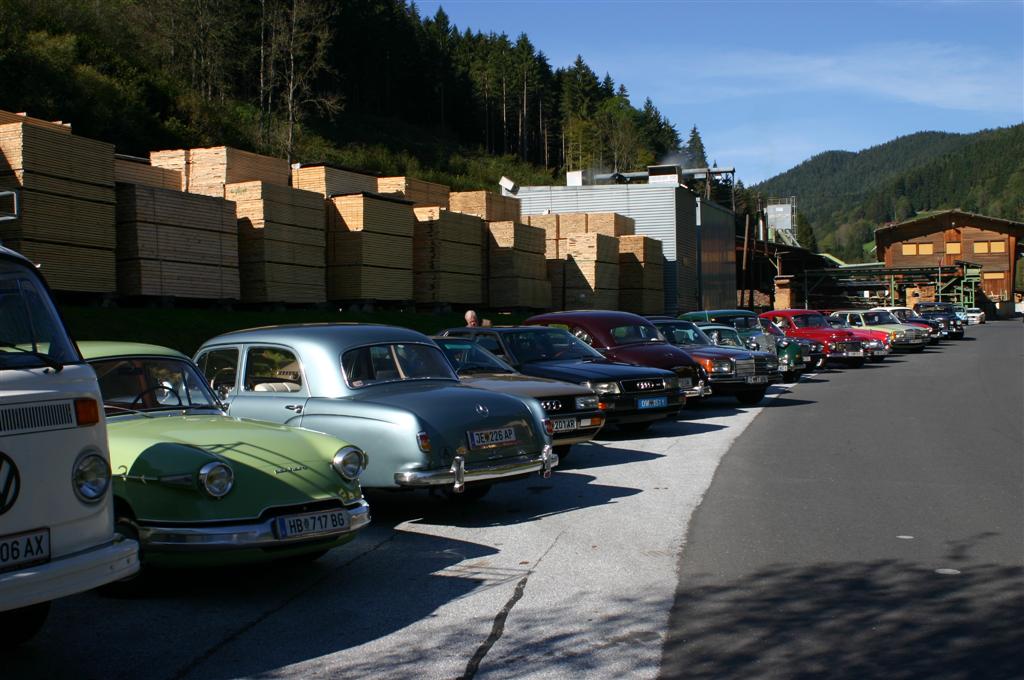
[423,439]
[87,412]
[549,426]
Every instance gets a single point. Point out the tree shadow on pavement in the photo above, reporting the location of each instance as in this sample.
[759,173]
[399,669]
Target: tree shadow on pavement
[883,619]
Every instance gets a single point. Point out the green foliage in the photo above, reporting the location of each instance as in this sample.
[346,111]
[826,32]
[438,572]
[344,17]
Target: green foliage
[805,233]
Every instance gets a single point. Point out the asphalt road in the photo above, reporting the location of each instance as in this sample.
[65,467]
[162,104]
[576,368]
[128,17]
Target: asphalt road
[878,532]
[792,565]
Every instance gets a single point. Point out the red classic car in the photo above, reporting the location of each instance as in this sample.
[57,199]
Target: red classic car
[876,343]
[629,339]
[839,345]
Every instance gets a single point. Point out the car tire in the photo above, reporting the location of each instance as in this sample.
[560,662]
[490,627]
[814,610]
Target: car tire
[470,494]
[856,363]
[791,376]
[18,626]
[820,362]
[877,359]
[134,585]
[563,451]
[751,397]
[636,428]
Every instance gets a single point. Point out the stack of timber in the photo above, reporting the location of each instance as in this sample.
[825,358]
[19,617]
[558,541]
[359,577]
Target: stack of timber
[447,257]
[330,181]
[66,195]
[281,243]
[369,248]
[132,170]
[486,205]
[592,272]
[54,126]
[421,193]
[576,224]
[207,171]
[170,243]
[517,270]
[641,269]
[554,245]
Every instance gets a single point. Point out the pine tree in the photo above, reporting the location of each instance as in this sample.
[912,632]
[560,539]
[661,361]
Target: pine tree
[695,149]
[805,233]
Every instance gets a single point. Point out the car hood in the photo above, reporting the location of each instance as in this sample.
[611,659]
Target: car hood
[524,386]
[655,354]
[718,352]
[576,371]
[822,335]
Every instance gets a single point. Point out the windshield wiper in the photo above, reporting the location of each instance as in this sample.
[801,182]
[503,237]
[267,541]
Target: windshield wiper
[129,410]
[45,358]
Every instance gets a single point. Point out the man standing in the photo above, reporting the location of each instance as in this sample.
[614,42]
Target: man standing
[471,320]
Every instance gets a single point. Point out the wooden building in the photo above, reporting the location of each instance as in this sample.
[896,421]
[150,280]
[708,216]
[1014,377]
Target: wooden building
[949,236]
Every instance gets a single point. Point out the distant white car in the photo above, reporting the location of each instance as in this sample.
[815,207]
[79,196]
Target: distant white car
[975,316]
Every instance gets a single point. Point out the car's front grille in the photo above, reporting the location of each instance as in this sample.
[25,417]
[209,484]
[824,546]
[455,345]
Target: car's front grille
[558,404]
[643,385]
[849,347]
[744,367]
[761,365]
[33,417]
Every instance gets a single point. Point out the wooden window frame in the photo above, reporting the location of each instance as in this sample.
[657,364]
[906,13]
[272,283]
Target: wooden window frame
[981,248]
[954,248]
[908,249]
[922,246]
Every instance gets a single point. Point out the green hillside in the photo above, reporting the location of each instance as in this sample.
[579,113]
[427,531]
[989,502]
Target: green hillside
[846,195]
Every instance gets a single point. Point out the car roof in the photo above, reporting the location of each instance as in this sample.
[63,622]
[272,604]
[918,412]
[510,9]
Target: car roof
[344,334]
[607,314]
[108,349]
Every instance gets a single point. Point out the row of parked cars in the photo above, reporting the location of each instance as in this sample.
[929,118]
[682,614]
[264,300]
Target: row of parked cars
[119,455]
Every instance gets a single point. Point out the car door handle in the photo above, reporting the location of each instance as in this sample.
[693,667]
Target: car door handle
[294,407]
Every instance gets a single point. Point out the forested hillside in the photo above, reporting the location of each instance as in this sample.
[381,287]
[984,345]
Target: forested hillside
[368,84]
[845,195]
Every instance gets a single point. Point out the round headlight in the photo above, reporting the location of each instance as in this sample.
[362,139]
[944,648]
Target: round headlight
[91,477]
[349,462]
[217,479]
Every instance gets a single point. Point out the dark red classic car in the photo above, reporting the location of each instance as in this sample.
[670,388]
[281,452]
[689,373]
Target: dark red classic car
[839,345]
[629,339]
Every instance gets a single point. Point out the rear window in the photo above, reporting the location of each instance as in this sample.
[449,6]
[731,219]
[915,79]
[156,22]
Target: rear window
[374,364]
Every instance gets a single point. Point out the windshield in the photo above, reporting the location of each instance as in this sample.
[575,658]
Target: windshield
[738,322]
[468,357]
[151,384]
[634,333]
[365,366]
[974,310]
[29,322]
[879,318]
[545,344]
[683,333]
[838,322]
[769,327]
[726,337]
[810,321]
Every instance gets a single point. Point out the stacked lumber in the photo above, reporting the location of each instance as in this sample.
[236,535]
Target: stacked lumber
[517,270]
[610,224]
[131,170]
[447,257]
[554,246]
[281,242]
[66,194]
[369,248]
[171,243]
[416,190]
[641,268]
[592,272]
[54,126]
[206,171]
[330,181]
[486,205]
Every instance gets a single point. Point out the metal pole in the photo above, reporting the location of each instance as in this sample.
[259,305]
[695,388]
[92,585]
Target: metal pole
[746,236]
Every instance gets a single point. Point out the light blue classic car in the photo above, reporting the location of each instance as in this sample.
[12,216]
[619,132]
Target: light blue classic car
[390,391]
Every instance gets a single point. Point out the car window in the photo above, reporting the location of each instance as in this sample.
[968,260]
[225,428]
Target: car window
[220,368]
[365,366]
[29,322]
[271,370]
[469,357]
[583,335]
[811,321]
[782,321]
[855,320]
[683,333]
[634,333]
[543,344]
[150,383]
[491,343]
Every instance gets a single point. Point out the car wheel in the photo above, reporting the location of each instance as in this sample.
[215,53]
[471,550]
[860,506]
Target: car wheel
[751,397]
[470,494]
[877,359]
[856,363]
[563,451]
[131,586]
[820,362]
[636,428]
[791,376]
[18,626]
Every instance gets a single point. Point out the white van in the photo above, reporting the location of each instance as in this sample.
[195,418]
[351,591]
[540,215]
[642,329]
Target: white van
[56,512]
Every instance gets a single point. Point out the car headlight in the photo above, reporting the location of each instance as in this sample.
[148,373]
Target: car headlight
[901,334]
[349,462]
[721,366]
[586,403]
[603,387]
[783,343]
[217,479]
[831,345]
[90,477]
[672,383]
[784,360]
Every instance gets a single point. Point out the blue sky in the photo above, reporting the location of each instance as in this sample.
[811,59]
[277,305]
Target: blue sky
[769,84]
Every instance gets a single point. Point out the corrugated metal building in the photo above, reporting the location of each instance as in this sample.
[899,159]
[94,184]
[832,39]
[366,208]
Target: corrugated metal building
[698,236]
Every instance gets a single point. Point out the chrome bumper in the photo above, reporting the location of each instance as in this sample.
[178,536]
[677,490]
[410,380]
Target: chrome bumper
[242,536]
[459,474]
[701,389]
[846,355]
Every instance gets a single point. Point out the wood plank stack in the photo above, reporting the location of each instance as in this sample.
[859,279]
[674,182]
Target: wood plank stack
[607,223]
[486,205]
[171,243]
[206,171]
[330,181]
[54,126]
[592,272]
[66,192]
[131,170]
[418,191]
[281,242]
[641,269]
[369,248]
[517,270]
[554,245]
[447,257]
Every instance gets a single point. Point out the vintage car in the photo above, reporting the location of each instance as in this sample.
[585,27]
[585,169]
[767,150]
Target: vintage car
[742,373]
[574,410]
[56,512]
[795,354]
[390,391]
[961,313]
[902,336]
[629,339]
[631,397]
[837,345]
[943,313]
[197,487]
[975,316]
[935,330]
[744,321]
[876,342]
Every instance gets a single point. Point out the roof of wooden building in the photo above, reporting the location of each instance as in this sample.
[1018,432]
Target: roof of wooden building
[930,222]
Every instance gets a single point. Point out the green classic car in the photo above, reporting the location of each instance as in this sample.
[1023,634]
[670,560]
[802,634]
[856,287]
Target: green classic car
[197,487]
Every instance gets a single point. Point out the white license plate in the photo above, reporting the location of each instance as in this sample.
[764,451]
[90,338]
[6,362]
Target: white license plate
[311,524]
[564,424]
[757,379]
[652,402]
[856,353]
[30,547]
[685,382]
[482,439]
